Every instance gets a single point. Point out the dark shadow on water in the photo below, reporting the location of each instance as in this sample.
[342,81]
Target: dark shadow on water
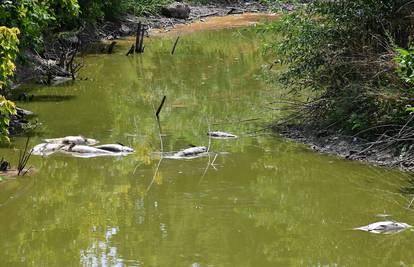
[51,98]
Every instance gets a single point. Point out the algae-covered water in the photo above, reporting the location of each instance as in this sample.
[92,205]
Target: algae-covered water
[264,202]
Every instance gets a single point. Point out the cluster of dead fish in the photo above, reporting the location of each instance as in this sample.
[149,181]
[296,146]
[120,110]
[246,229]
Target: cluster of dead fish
[384,227]
[199,151]
[79,146]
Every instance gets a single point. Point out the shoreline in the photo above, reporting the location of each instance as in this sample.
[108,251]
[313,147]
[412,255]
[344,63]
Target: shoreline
[346,147]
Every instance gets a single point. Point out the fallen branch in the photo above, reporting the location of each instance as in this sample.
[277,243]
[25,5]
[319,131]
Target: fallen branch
[207,15]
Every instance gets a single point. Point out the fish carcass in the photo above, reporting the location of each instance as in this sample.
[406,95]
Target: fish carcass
[191,152]
[385,227]
[116,148]
[85,151]
[223,135]
[77,140]
[46,149]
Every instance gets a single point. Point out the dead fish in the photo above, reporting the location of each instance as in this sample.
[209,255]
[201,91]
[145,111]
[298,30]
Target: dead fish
[385,227]
[77,140]
[219,134]
[81,149]
[189,153]
[192,151]
[116,148]
[46,149]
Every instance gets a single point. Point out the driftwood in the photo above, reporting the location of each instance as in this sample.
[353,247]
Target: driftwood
[234,11]
[207,15]
[58,61]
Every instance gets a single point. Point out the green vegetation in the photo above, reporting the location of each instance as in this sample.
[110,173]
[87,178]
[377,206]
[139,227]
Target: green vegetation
[352,57]
[405,61]
[8,52]
[95,11]
[33,17]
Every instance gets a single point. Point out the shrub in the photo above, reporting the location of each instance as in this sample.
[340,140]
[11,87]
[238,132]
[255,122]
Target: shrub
[8,52]
[405,61]
[32,17]
[344,52]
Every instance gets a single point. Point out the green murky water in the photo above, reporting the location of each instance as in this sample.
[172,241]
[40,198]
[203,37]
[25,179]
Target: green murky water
[267,202]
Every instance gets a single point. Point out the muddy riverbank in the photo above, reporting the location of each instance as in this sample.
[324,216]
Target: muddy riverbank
[347,147]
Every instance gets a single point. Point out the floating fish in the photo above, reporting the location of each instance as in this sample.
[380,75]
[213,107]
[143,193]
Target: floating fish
[77,140]
[385,227]
[189,153]
[81,151]
[222,135]
[46,149]
[116,148]
[192,151]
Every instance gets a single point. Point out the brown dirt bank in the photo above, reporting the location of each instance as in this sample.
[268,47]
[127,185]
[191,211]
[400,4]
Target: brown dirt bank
[216,23]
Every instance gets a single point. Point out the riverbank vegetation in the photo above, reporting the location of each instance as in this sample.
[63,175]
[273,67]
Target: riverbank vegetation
[8,51]
[355,59]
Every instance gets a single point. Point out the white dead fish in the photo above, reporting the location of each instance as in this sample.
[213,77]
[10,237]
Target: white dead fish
[77,140]
[81,149]
[46,149]
[192,151]
[385,227]
[116,148]
[223,135]
[189,153]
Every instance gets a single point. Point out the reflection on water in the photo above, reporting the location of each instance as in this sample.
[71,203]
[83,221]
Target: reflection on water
[262,201]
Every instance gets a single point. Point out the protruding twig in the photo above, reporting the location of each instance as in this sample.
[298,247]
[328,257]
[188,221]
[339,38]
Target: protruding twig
[24,158]
[131,50]
[175,45]
[160,107]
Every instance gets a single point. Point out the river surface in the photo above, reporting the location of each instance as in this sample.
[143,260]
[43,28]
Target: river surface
[264,202]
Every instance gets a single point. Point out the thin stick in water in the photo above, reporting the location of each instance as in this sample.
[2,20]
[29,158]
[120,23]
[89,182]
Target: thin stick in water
[24,158]
[131,50]
[175,45]
[160,107]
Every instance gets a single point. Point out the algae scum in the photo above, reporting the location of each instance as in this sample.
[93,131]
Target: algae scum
[263,201]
